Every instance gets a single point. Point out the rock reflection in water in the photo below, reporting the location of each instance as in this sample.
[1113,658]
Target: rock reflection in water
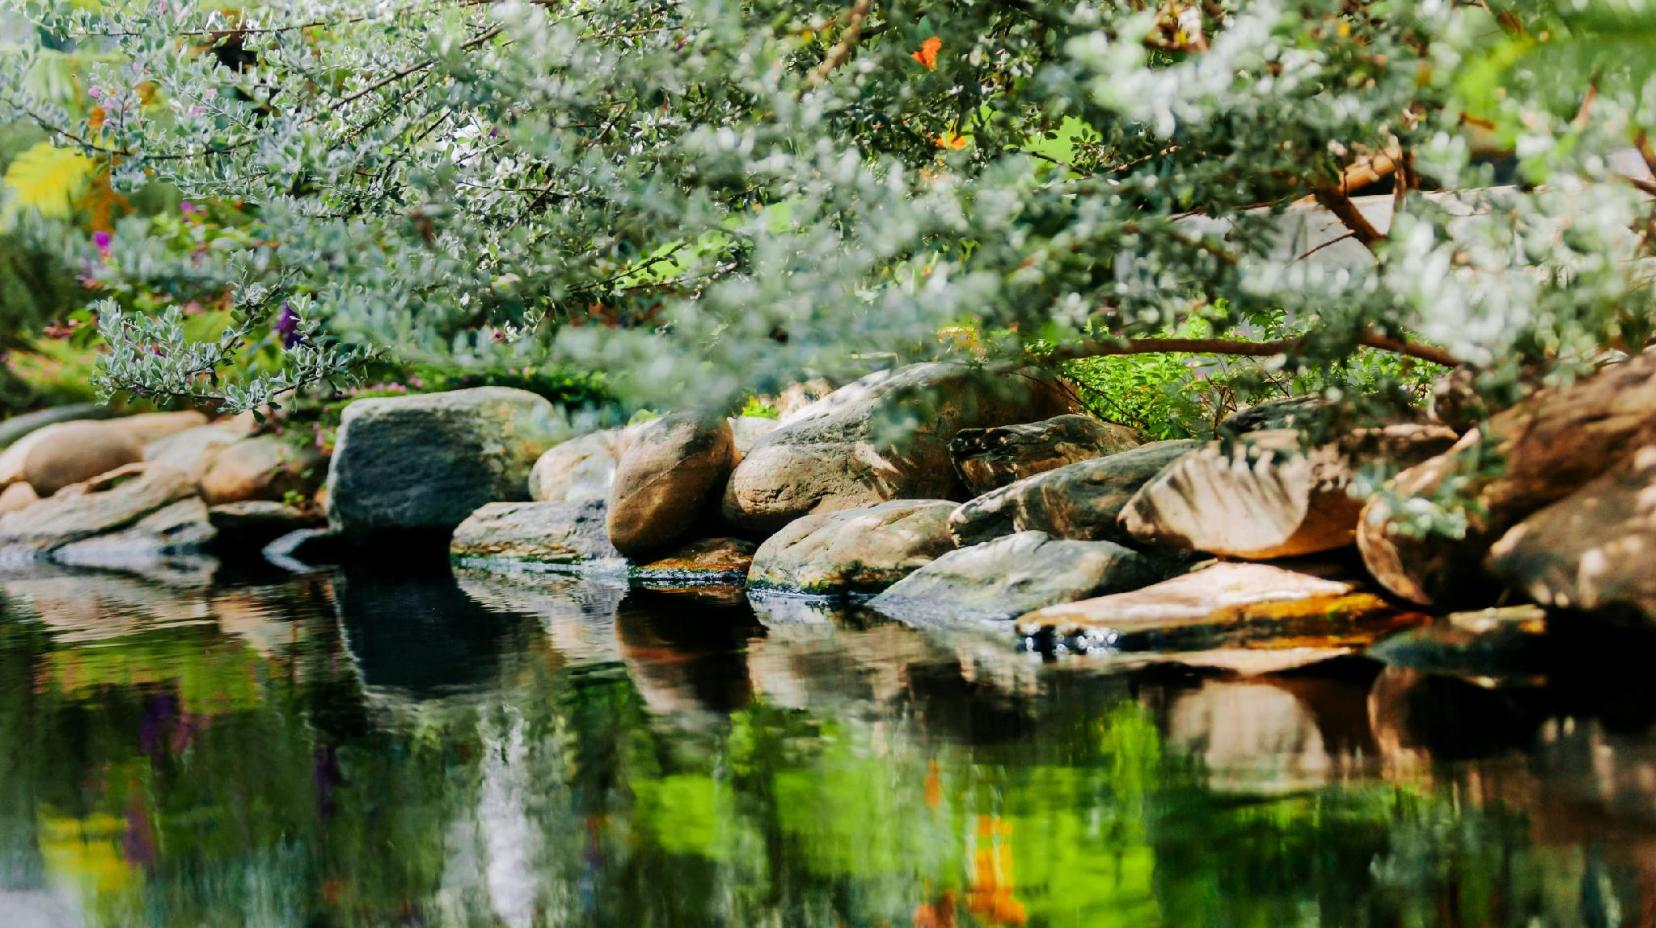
[364,748]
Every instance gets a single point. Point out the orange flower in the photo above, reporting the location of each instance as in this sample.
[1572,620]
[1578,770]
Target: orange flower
[953,141]
[927,55]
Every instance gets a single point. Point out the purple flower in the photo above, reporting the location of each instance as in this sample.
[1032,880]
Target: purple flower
[287,326]
[187,208]
[102,239]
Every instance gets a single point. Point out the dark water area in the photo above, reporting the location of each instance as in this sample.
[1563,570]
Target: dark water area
[365,748]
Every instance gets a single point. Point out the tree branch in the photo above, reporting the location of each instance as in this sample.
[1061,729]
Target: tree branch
[842,48]
[1266,349]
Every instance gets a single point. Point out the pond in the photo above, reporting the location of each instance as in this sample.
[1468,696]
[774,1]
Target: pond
[229,746]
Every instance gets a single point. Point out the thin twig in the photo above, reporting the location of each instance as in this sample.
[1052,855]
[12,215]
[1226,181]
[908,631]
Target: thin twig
[842,48]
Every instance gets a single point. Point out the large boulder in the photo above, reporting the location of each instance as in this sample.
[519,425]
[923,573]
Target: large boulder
[1264,496]
[424,463]
[110,503]
[578,469]
[70,452]
[994,457]
[1594,549]
[1223,604]
[1080,501]
[846,450]
[18,426]
[667,481]
[850,551]
[1548,446]
[1010,576]
[266,467]
[544,535]
[153,426]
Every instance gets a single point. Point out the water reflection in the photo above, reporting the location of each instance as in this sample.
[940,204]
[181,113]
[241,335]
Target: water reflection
[373,748]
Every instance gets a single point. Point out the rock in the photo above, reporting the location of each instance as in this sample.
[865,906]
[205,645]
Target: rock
[994,457]
[1010,576]
[192,450]
[265,467]
[669,476]
[1594,549]
[853,550]
[72,452]
[537,535]
[1221,605]
[797,397]
[178,528]
[18,426]
[1551,444]
[255,523]
[1079,501]
[842,453]
[746,431]
[154,426]
[581,468]
[1490,644]
[424,463]
[703,562]
[109,503]
[1264,497]
[17,496]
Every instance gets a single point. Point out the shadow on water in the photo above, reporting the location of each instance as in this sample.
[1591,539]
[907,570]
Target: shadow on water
[376,746]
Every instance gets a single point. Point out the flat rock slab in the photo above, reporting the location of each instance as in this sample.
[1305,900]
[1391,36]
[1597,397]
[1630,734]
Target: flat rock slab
[1490,643]
[994,457]
[1080,501]
[110,503]
[424,463]
[1007,577]
[705,562]
[1219,606]
[255,523]
[537,536]
[853,551]
[178,529]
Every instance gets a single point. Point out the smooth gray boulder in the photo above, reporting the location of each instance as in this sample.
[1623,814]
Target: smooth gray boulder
[851,551]
[537,535]
[991,458]
[847,449]
[1007,577]
[424,463]
[1079,501]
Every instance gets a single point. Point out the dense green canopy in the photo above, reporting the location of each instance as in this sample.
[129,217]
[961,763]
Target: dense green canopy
[707,198]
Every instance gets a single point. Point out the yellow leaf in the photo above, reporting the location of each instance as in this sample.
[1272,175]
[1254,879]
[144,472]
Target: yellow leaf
[47,179]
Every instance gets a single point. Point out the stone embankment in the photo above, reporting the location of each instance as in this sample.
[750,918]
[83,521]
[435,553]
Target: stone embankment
[936,494]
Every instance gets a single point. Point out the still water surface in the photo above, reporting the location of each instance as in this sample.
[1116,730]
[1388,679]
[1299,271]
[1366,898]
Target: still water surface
[357,748]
